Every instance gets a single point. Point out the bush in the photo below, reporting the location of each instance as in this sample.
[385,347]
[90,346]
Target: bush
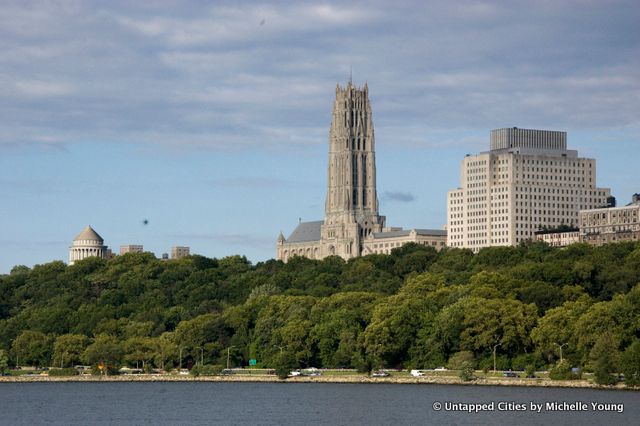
[530,370]
[361,364]
[283,365]
[206,370]
[562,371]
[603,374]
[466,372]
[63,372]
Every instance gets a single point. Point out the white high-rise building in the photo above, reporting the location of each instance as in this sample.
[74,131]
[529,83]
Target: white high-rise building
[528,181]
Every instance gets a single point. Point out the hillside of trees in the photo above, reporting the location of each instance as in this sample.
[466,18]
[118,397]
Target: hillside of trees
[414,308]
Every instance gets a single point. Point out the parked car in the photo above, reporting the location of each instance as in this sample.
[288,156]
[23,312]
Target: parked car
[510,374]
[416,373]
[441,369]
[380,374]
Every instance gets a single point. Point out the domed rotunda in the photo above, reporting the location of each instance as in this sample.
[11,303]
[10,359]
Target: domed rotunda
[88,243]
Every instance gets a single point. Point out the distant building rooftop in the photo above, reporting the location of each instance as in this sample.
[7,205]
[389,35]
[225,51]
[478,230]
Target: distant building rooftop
[406,232]
[513,137]
[90,234]
[306,231]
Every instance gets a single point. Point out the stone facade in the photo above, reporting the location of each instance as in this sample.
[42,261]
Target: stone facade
[384,242]
[527,181]
[559,238]
[178,252]
[610,225]
[351,206]
[351,221]
[88,244]
[131,248]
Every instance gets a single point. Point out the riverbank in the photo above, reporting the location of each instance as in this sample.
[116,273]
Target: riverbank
[490,381]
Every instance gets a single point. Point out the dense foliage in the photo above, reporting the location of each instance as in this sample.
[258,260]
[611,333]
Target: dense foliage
[415,308]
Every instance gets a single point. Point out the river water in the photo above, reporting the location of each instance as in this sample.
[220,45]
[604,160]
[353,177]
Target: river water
[227,403]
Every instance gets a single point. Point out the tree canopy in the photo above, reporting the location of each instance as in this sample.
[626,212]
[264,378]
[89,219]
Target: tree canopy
[413,308]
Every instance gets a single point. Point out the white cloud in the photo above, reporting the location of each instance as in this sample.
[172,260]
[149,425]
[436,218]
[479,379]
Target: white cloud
[194,75]
[43,88]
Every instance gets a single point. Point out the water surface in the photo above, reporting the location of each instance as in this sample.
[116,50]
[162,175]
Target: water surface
[228,403]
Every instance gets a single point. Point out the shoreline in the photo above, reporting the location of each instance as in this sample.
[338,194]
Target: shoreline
[320,379]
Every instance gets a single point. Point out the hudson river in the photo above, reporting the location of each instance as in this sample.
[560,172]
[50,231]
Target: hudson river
[202,403]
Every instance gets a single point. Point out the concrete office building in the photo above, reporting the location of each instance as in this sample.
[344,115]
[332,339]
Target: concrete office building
[528,181]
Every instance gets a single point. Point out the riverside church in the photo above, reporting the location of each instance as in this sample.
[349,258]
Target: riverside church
[352,225]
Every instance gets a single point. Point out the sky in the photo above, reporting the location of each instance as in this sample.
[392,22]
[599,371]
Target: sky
[210,120]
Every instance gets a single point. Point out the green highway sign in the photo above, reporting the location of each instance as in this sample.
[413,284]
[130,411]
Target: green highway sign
[252,362]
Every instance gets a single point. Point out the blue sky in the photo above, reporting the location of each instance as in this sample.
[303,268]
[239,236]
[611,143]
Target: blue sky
[211,119]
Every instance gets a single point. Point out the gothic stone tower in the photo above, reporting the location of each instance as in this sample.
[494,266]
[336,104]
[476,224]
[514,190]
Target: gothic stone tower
[351,208]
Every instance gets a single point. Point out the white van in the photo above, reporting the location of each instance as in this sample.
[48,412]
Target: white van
[417,373]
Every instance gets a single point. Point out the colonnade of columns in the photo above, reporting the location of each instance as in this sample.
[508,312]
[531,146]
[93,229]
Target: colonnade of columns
[79,253]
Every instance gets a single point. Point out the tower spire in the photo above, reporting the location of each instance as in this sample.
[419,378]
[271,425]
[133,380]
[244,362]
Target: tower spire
[351,207]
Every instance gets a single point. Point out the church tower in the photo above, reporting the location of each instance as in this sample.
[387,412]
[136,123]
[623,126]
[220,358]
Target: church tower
[351,207]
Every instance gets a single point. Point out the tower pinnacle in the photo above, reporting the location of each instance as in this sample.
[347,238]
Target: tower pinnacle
[351,208]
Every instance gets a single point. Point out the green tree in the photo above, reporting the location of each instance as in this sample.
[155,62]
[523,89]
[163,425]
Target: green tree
[283,322]
[284,363]
[558,327]
[139,350]
[617,317]
[68,349]
[461,359]
[32,348]
[165,350]
[395,321]
[338,320]
[4,361]
[604,356]
[487,323]
[630,364]
[105,350]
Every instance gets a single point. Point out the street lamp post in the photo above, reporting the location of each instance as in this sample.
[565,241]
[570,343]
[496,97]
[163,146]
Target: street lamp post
[561,346]
[228,354]
[281,348]
[494,356]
